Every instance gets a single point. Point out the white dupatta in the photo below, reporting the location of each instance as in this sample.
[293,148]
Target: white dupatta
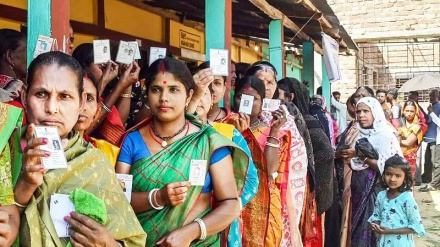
[381,138]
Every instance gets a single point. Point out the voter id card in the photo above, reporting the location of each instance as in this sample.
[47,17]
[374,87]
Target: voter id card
[271,104]
[60,207]
[197,172]
[57,159]
[246,104]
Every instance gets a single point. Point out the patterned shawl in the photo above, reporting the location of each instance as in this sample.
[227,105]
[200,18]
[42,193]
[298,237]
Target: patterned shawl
[90,170]
[10,121]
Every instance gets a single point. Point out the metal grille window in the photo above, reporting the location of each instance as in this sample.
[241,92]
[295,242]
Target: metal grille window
[388,65]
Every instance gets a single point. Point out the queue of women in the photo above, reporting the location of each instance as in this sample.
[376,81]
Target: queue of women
[272,178]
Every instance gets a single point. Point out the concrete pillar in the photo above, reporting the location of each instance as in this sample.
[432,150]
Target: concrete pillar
[39,13]
[276,50]
[48,18]
[218,33]
[309,65]
[60,22]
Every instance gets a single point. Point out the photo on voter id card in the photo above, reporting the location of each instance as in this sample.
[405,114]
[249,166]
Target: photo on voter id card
[57,159]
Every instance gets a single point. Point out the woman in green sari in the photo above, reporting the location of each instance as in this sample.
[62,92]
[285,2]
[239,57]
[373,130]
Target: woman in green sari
[10,122]
[161,154]
[55,97]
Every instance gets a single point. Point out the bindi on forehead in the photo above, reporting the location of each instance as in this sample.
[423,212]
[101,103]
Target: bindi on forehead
[164,82]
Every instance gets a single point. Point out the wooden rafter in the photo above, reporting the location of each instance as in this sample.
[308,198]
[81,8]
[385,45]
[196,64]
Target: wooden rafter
[311,7]
[276,14]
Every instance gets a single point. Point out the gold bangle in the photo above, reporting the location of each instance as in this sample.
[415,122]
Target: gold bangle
[20,205]
[126,95]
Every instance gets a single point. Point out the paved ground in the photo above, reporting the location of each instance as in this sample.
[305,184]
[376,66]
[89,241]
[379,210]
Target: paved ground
[429,204]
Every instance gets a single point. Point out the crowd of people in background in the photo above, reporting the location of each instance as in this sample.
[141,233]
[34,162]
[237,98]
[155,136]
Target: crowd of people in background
[301,175]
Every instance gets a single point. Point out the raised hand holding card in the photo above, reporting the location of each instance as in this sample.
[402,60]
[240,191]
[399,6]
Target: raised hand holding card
[44,44]
[157,53]
[126,52]
[219,62]
[246,104]
[137,53]
[101,51]
[271,104]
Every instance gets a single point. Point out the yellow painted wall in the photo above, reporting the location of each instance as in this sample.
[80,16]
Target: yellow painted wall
[235,50]
[22,4]
[174,35]
[84,11]
[125,18]
[5,23]
[248,56]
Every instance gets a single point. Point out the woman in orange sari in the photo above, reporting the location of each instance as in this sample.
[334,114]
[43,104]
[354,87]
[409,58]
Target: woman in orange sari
[410,133]
[270,148]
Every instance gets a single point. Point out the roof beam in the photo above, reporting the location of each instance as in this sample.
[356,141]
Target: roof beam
[311,7]
[276,14]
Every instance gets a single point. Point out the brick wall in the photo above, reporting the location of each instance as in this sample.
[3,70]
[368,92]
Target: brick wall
[347,85]
[378,20]
[382,19]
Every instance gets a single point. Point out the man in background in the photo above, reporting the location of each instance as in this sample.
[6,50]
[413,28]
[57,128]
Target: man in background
[339,111]
[396,108]
[431,137]
[381,96]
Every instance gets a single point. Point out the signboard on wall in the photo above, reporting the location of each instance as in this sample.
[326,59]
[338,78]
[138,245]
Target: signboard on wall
[189,41]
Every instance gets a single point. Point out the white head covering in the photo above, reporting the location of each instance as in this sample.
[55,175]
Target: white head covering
[381,138]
